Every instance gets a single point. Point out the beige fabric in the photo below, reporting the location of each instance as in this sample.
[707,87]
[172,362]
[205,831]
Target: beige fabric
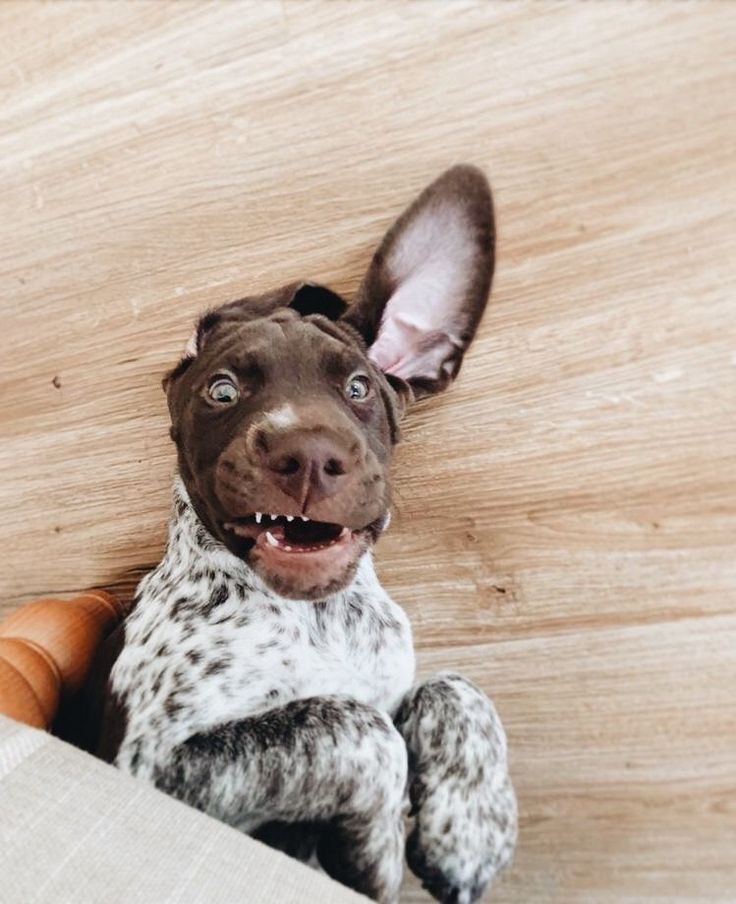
[76,831]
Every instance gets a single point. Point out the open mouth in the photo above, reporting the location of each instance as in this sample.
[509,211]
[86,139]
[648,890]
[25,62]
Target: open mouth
[289,533]
[299,557]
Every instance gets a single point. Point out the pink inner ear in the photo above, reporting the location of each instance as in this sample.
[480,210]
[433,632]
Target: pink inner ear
[432,265]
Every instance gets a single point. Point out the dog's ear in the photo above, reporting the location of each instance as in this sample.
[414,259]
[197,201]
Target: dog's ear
[426,289]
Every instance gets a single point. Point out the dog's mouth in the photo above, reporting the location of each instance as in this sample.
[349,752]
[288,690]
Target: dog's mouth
[290,534]
[297,556]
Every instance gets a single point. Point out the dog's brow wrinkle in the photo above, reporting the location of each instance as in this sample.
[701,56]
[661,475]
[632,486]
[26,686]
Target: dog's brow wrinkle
[283,315]
[334,330]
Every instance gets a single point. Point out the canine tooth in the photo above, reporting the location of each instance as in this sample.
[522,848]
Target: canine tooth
[274,517]
[258,517]
[270,539]
[287,548]
[304,518]
[289,517]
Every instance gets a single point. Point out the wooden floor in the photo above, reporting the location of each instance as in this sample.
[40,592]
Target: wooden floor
[566,522]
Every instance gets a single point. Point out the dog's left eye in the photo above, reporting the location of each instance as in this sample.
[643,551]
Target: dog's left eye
[357,388]
[224,391]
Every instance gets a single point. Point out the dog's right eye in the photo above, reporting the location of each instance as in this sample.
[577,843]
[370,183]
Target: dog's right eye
[223,391]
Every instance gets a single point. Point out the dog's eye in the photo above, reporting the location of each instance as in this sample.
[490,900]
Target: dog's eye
[224,391]
[357,388]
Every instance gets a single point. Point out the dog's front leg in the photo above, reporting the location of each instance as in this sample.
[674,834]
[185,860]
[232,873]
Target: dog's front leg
[460,791]
[326,760]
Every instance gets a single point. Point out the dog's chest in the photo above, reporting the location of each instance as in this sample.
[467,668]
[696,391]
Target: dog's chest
[201,652]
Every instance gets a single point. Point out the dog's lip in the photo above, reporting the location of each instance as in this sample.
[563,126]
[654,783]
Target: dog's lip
[291,535]
[276,538]
[276,543]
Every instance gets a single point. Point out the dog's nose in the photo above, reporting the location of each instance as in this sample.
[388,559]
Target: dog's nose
[307,465]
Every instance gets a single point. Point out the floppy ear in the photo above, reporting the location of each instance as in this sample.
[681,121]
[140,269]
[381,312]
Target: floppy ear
[426,289]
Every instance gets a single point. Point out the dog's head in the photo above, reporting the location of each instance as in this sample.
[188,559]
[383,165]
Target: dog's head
[285,407]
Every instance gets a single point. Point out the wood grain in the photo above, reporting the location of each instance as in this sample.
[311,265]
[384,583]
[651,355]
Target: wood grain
[566,517]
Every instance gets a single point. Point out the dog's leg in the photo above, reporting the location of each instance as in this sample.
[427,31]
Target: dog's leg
[325,760]
[461,795]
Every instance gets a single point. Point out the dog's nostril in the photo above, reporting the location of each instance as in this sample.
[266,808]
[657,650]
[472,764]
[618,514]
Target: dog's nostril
[334,467]
[286,465]
[291,465]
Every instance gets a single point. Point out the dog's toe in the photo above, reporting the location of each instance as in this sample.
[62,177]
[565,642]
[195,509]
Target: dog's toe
[438,876]
[456,848]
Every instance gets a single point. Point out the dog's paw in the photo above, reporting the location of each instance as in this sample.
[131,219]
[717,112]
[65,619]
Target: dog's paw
[461,793]
[459,844]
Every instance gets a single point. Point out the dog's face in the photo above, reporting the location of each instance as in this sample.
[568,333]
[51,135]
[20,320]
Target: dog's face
[285,428]
[285,407]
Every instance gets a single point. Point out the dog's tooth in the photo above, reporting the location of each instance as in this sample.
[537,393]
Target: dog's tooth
[304,518]
[274,517]
[289,517]
[258,517]
[270,539]
[287,548]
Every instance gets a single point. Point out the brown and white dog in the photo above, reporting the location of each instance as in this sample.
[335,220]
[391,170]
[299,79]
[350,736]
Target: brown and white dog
[266,677]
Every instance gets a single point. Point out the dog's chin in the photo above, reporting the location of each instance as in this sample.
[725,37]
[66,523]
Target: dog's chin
[310,576]
[298,561]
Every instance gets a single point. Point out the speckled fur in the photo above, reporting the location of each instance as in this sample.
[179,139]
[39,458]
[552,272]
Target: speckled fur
[262,711]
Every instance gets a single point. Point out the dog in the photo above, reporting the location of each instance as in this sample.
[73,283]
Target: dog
[265,676]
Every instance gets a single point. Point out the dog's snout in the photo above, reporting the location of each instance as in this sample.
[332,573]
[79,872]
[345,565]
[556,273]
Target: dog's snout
[304,464]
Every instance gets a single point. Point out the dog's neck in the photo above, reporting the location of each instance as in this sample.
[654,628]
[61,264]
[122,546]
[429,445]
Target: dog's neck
[192,548]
